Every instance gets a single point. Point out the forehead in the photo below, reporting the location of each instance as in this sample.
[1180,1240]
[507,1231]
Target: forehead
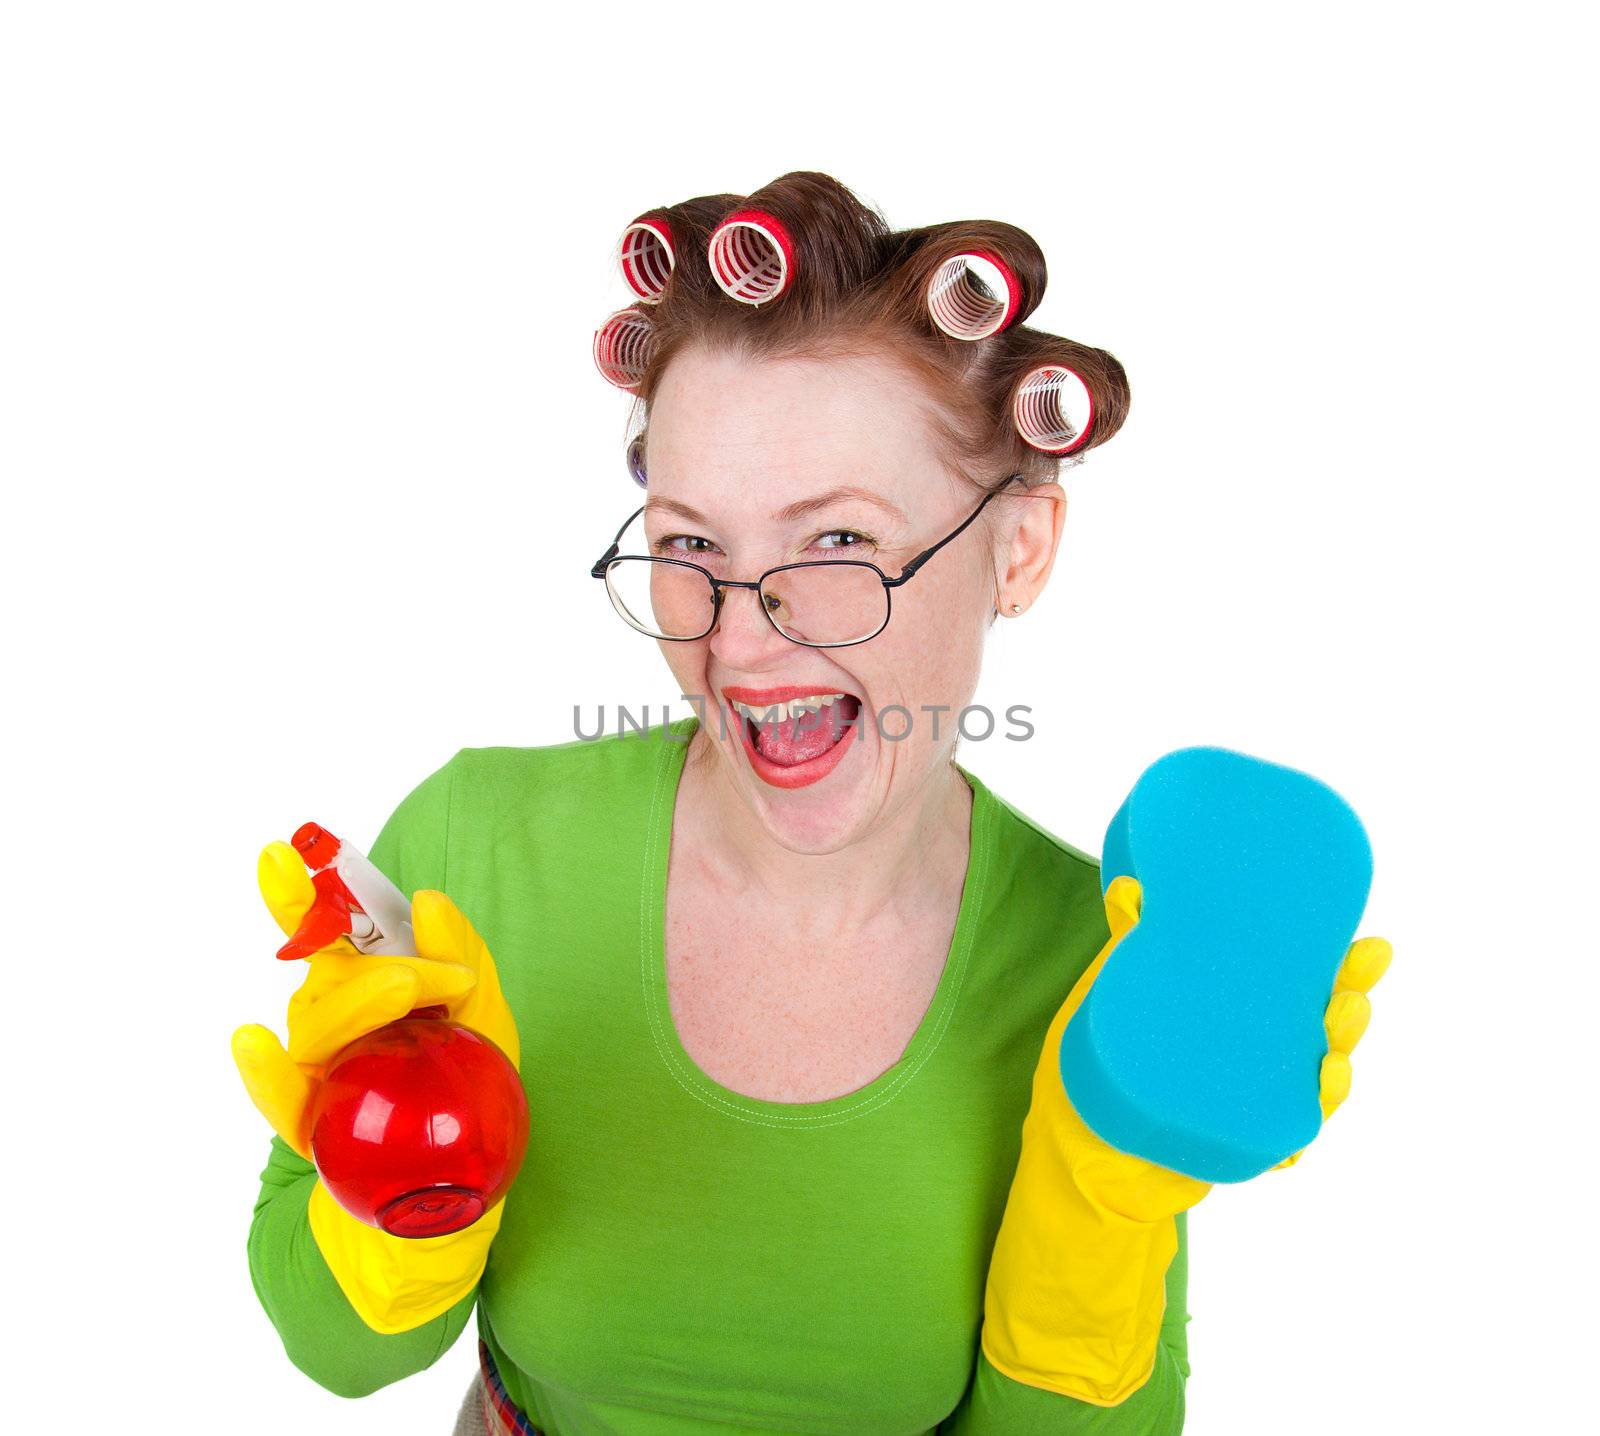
[732,422]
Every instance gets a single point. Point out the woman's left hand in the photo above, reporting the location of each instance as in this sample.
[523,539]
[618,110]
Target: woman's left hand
[1143,1189]
[1076,1285]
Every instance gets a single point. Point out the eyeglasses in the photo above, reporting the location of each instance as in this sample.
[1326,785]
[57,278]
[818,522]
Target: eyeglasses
[822,603]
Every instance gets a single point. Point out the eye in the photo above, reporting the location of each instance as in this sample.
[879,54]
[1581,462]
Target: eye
[836,539]
[682,546]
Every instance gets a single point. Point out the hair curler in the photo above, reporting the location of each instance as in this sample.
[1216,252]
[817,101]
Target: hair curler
[647,256]
[622,348]
[1053,410]
[752,257]
[973,295]
[634,459]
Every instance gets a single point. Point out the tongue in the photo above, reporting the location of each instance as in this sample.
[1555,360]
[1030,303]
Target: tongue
[794,740]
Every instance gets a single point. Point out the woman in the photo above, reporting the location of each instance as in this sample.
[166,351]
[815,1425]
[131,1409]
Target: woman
[777,976]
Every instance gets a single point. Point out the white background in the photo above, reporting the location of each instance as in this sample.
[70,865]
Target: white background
[305,460]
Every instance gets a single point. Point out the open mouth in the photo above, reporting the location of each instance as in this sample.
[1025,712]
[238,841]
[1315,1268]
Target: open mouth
[801,729]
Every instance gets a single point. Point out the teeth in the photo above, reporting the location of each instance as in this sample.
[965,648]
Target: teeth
[777,712]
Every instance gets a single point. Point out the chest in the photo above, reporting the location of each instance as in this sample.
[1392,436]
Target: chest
[773,1006]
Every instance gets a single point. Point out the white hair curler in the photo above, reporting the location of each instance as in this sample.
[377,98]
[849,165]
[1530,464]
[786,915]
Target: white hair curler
[752,257]
[646,254]
[1053,410]
[622,348]
[973,295]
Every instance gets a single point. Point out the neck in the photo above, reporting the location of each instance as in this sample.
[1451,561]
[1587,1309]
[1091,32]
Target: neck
[910,851]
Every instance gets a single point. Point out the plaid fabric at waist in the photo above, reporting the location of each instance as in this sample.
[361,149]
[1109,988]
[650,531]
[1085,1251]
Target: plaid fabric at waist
[500,1414]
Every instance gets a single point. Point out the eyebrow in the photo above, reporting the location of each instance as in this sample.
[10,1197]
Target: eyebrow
[799,509]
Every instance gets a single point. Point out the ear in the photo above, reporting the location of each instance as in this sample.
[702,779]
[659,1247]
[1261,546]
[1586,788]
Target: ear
[1023,565]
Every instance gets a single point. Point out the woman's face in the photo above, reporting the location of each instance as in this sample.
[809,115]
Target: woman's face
[758,462]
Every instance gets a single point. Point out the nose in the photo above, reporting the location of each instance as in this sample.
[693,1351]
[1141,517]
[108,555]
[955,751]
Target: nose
[743,637]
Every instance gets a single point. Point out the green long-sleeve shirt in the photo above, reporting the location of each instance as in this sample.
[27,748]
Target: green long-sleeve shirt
[678,1259]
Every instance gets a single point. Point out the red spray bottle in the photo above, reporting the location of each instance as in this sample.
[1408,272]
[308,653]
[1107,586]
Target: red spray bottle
[419,1127]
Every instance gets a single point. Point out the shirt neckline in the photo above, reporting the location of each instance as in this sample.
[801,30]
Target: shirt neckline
[653,963]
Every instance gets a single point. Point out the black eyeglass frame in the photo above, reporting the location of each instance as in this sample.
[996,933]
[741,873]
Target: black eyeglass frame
[720,585]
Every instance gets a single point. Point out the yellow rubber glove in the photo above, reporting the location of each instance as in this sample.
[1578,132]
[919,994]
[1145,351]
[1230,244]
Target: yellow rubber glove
[394,1283]
[1346,1021]
[1077,1282]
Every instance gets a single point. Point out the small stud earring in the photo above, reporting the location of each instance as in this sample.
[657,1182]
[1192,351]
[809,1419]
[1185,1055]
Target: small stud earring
[1016,608]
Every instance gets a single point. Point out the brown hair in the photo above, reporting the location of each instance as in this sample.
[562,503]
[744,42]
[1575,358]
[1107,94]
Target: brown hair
[855,286]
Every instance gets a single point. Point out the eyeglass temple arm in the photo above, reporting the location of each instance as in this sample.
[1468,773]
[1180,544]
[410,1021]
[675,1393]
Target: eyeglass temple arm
[599,568]
[909,571]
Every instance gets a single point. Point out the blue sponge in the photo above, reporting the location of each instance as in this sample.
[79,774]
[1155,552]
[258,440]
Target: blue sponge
[1200,1044]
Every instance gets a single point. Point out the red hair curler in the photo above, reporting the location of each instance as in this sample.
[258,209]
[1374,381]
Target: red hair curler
[973,295]
[622,347]
[752,257]
[1053,410]
[646,254]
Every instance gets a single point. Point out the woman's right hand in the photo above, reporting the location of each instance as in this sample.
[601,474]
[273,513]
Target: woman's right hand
[347,993]
[394,1283]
